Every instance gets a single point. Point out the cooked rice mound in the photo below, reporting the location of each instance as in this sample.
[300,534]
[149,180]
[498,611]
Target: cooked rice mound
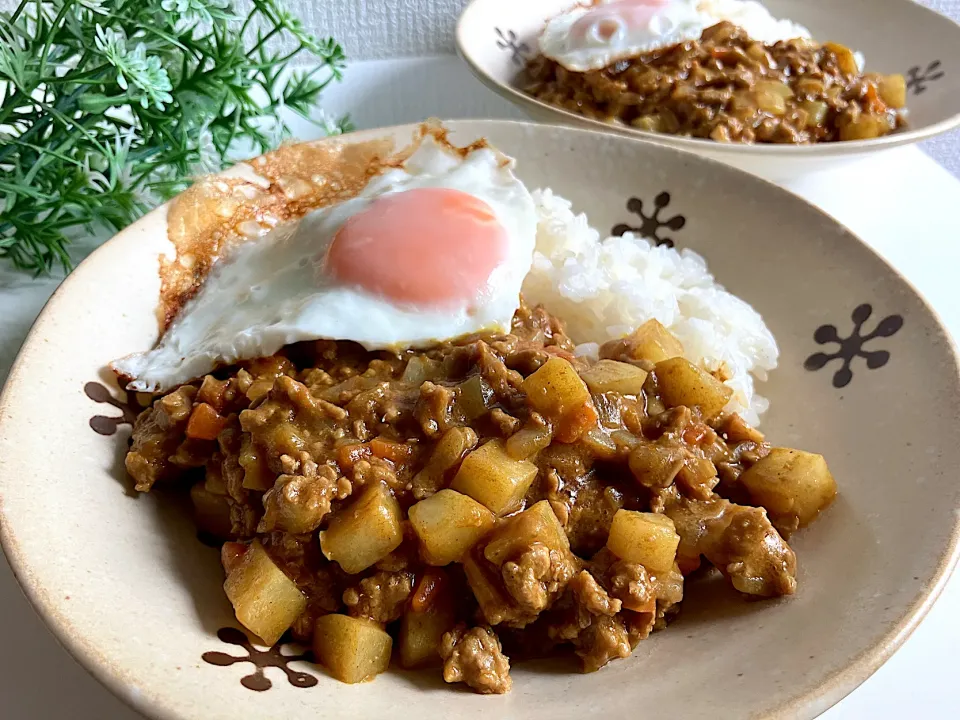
[604,289]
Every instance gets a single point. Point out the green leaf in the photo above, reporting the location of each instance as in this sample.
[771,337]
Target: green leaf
[110,106]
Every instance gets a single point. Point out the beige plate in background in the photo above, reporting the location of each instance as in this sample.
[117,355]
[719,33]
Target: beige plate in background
[131,592]
[495,37]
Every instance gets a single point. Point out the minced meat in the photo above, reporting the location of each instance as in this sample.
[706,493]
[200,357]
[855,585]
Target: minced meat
[729,88]
[300,436]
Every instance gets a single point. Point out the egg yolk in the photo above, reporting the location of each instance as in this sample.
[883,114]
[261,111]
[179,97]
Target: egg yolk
[429,247]
[609,21]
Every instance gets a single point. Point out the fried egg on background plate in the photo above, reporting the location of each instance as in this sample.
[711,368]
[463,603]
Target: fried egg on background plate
[593,36]
[430,250]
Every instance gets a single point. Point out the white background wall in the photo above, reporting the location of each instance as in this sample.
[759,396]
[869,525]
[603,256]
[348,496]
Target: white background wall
[387,28]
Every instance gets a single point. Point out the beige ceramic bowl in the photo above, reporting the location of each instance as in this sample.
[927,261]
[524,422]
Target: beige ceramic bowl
[130,591]
[495,37]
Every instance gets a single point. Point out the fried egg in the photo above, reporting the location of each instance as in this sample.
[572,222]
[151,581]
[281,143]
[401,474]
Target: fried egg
[594,36]
[433,249]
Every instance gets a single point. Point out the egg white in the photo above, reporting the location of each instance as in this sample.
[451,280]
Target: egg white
[673,24]
[676,22]
[272,291]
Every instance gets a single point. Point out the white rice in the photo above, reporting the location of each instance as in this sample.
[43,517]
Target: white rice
[603,290]
[760,25]
[753,17]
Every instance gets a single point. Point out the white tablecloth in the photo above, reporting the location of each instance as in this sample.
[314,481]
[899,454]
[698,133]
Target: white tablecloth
[901,203]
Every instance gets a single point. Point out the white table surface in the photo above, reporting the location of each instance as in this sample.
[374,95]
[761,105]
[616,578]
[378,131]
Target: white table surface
[901,203]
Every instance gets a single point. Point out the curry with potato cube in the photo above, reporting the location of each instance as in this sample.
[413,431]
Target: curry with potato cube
[491,498]
[730,88]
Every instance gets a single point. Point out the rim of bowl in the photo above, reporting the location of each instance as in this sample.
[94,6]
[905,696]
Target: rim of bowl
[804,704]
[698,145]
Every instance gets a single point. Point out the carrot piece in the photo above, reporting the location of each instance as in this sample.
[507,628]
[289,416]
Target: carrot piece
[205,423]
[350,455]
[576,423]
[695,432]
[874,102]
[397,452]
[428,588]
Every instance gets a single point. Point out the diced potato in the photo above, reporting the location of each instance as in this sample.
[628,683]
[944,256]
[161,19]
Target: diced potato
[865,127]
[211,511]
[352,649]
[205,423]
[775,87]
[451,447]
[809,86]
[559,394]
[816,112]
[536,524]
[655,466]
[285,439]
[490,476]
[528,441]
[893,90]
[743,101]
[613,376]
[846,60]
[683,383]
[213,480]
[448,524]
[646,538]
[649,123]
[794,486]
[256,474]
[555,390]
[652,341]
[697,478]
[365,531]
[735,430]
[772,96]
[487,587]
[264,599]
[420,636]
[425,620]
[259,389]
[771,102]
[600,442]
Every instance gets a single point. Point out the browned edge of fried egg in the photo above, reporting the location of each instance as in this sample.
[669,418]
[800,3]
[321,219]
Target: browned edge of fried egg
[216,213]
